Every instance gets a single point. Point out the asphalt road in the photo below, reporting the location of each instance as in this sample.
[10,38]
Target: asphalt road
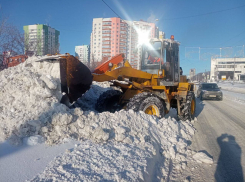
[221,134]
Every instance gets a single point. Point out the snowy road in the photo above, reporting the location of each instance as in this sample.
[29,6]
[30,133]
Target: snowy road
[221,133]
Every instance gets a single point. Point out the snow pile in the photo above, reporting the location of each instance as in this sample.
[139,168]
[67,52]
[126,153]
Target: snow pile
[121,146]
[233,87]
[34,140]
[94,162]
[133,145]
[88,101]
[25,95]
[201,157]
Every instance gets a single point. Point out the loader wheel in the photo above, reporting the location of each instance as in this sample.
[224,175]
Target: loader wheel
[148,103]
[188,108]
[108,101]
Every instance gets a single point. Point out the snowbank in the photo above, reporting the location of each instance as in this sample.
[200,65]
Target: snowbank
[202,157]
[236,87]
[121,146]
[26,94]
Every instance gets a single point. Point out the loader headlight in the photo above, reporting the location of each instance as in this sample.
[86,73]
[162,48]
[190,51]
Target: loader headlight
[160,72]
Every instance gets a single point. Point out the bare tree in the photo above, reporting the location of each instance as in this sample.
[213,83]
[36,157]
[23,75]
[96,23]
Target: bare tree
[11,40]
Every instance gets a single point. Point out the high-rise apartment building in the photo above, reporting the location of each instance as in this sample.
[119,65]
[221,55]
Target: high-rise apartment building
[83,53]
[41,39]
[112,36]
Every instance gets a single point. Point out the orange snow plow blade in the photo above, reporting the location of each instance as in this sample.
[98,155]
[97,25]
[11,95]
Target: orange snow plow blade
[106,65]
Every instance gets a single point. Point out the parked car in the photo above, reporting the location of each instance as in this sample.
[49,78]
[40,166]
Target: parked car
[209,91]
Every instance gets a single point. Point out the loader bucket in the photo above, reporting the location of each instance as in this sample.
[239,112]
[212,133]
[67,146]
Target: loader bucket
[75,77]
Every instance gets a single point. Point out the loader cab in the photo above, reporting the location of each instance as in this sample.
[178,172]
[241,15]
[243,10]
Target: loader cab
[152,57]
[162,55]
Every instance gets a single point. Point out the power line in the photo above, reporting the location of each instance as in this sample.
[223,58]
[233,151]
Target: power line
[234,37]
[213,12]
[239,41]
[111,8]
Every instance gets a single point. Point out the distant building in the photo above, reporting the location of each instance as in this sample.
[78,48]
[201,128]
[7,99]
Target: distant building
[15,60]
[112,36]
[161,35]
[41,39]
[223,68]
[192,73]
[83,53]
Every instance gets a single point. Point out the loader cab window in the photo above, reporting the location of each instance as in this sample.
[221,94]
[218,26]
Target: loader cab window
[153,53]
[151,57]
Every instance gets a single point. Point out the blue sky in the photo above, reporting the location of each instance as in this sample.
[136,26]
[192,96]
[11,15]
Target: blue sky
[205,34]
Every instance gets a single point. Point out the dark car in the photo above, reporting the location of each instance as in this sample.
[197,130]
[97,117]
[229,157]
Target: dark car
[209,91]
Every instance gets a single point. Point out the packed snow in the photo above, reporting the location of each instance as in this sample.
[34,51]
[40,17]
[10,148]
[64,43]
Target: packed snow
[238,87]
[120,146]
[202,157]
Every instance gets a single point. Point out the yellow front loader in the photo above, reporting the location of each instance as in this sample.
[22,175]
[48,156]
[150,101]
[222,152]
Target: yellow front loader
[156,87]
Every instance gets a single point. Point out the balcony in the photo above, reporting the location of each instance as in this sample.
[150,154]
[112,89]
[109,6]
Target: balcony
[106,28]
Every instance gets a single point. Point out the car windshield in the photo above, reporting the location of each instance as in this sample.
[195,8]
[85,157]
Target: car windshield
[210,86]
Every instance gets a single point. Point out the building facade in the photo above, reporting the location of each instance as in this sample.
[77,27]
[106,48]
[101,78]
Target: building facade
[112,36]
[161,35]
[227,68]
[192,73]
[83,53]
[41,39]
[15,60]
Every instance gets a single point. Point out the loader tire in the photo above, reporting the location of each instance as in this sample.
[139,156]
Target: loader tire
[188,108]
[148,103]
[108,101]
